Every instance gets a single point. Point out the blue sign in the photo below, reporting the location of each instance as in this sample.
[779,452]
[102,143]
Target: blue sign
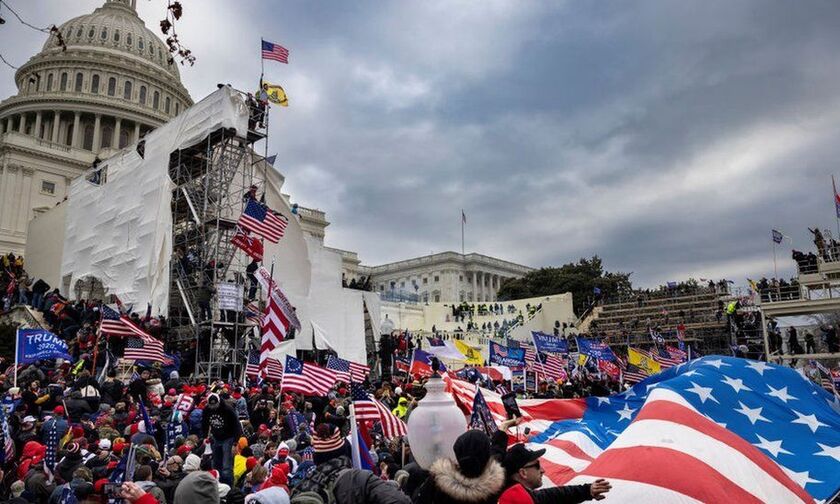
[549,343]
[595,349]
[506,356]
[39,344]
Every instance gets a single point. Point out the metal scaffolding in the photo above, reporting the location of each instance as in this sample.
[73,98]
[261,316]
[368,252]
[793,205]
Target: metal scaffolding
[211,179]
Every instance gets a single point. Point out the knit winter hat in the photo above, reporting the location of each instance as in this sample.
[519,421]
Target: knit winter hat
[472,451]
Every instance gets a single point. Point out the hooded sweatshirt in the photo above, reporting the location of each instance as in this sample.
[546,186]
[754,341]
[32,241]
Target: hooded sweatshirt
[197,487]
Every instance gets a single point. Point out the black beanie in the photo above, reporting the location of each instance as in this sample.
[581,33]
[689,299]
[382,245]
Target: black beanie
[472,451]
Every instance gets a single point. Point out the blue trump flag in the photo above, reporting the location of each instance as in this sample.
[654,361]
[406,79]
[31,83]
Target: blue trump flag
[39,344]
[505,356]
[595,349]
[549,343]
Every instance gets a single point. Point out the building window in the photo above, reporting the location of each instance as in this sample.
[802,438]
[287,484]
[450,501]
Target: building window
[68,139]
[151,50]
[127,91]
[128,40]
[437,279]
[156,100]
[437,298]
[92,32]
[104,35]
[78,85]
[79,32]
[140,44]
[116,35]
[381,287]
[47,187]
[87,142]
[461,279]
[142,95]
[177,108]
[425,281]
[402,285]
[123,138]
[107,137]
[49,82]
[112,86]
[63,83]
[166,105]
[94,84]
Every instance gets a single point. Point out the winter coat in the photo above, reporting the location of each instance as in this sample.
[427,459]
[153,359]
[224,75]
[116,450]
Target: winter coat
[446,485]
[355,486]
[169,483]
[152,488]
[64,470]
[221,422]
[273,495]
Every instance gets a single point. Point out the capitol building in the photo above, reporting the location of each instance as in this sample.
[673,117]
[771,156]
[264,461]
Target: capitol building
[111,86]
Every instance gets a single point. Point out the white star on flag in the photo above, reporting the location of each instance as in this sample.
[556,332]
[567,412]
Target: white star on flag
[828,451]
[809,420]
[736,383]
[781,393]
[774,447]
[754,414]
[802,478]
[626,412]
[703,392]
[716,363]
[759,367]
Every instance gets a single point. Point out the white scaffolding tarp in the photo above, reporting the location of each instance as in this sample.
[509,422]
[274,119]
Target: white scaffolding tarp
[120,231]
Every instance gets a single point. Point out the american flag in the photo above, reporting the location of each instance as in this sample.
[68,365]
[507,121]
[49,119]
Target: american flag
[276,52]
[306,378]
[402,364]
[263,221]
[112,323]
[254,314]
[273,368]
[307,454]
[8,451]
[346,370]
[716,429]
[139,349]
[550,365]
[664,358]
[371,409]
[634,374]
[275,326]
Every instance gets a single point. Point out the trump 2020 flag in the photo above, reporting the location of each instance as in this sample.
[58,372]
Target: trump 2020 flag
[595,349]
[38,344]
[549,343]
[507,356]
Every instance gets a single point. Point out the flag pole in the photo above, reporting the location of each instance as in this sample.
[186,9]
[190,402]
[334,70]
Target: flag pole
[17,346]
[836,208]
[462,231]
[354,438]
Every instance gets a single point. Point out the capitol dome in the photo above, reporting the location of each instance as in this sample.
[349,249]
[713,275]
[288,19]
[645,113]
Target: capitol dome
[112,84]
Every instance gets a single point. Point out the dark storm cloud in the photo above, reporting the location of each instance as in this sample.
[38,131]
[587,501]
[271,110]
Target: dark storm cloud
[668,137]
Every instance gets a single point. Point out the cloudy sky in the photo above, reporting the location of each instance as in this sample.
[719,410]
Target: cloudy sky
[667,137]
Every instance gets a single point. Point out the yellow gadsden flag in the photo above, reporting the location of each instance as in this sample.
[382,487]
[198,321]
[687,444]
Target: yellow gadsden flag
[276,94]
[642,360]
[472,355]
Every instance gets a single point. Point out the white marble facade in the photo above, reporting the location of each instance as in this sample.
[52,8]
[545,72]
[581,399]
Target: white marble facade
[112,85]
[447,277]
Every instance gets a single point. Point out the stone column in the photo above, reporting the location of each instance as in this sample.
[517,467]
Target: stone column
[136,132]
[474,286]
[115,142]
[37,124]
[56,122]
[25,202]
[77,124]
[97,134]
[9,124]
[22,125]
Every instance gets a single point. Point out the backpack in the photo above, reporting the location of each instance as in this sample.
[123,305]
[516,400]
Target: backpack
[321,481]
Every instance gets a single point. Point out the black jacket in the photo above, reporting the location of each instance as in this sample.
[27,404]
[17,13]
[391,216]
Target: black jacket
[355,486]
[221,422]
[446,485]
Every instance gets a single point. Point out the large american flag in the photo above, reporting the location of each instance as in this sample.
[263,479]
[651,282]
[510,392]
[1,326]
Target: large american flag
[254,314]
[273,367]
[263,221]
[371,409]
[346,370]
[276,52]
[149,349]
[306,378]
[112,323]
[715,429]
[274,328]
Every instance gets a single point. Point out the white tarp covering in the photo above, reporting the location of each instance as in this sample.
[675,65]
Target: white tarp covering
[120,231]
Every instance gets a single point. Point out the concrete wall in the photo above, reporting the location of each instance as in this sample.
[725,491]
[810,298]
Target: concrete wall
[45,244]
[421,317]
